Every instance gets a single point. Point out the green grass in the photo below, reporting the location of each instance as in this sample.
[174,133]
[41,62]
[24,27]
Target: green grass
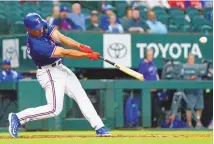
[128,137]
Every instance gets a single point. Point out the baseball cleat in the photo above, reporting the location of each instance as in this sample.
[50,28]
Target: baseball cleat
[14,125]
[102,132]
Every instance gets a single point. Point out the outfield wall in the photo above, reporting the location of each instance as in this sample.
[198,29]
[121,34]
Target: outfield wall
[125,49]
[111,101]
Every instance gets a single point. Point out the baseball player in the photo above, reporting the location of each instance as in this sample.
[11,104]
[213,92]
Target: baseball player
[7,74]
[43,44]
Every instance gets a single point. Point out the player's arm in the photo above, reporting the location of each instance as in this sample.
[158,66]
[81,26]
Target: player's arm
[56,35]
[69,53]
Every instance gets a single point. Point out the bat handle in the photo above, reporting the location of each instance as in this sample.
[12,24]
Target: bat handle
[106,60]
[101,57]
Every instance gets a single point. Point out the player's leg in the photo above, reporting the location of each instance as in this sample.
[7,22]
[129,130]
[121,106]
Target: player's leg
[75,91]
[54,89]
[190,106]
[199,108]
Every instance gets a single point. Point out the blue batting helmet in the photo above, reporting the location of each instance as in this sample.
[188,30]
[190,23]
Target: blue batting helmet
[34,21]
[6,62]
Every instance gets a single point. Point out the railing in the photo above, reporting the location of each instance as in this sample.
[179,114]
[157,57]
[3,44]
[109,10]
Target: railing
[30,94]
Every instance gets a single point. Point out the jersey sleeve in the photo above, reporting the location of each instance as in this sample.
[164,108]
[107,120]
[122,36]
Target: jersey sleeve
[50,29]
[42,47]
[20,76]
[141,68]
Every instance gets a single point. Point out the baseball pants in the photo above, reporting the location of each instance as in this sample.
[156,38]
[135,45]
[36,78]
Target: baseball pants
[57,81]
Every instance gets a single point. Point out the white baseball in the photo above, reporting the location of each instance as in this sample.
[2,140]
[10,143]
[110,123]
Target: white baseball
[203,40]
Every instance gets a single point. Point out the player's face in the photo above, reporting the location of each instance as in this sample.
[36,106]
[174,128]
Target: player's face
[149,55]
[6,67]
[36,33]
[135,14]
[129,13]
[55,11]
[63,15]
[94,18]
[191,59]
[151,15]
[112,19]
[108,12]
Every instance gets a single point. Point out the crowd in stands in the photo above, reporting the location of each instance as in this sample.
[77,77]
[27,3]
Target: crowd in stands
[142,16]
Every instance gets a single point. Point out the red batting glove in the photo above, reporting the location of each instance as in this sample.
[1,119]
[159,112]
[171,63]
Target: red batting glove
[85,48]
[93,56]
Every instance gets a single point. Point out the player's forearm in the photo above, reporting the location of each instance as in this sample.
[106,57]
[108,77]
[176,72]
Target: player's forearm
[74,54]
[69,42]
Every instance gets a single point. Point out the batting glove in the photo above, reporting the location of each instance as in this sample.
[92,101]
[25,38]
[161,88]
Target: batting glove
[85,48]
[93,56]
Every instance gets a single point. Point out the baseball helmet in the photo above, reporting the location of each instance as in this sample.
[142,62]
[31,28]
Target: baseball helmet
[6,62]
[34,21]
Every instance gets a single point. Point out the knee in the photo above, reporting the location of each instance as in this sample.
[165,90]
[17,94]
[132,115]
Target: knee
[55,111]
[58,110]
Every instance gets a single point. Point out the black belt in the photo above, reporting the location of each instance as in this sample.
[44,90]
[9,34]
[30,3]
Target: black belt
[52,65]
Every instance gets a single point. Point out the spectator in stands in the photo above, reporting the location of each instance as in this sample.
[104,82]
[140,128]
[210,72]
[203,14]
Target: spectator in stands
[7,74]
[158,3]
[94,24]
[55,14]
[127,17]
[77,17]
[63,22]
[196,4]
[207,3]
[195,98]
[180,4]
[105,19]
[149,70]
[114,27]
[136,24]
[156,26]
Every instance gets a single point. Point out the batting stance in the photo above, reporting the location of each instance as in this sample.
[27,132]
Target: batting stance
[43,43]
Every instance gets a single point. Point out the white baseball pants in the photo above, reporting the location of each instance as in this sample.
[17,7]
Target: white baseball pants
[56,81]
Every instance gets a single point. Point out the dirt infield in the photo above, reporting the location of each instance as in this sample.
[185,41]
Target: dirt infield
[113,136]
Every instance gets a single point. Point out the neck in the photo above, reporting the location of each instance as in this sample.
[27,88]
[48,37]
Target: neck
[94,22]
[7,70]
[146,60]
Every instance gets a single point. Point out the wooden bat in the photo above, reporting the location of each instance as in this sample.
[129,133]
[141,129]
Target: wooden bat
[125,69]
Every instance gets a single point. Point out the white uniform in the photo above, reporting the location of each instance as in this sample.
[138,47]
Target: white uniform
[57,81]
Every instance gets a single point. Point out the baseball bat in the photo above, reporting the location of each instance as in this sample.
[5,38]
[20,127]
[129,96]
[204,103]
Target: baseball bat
[125,69]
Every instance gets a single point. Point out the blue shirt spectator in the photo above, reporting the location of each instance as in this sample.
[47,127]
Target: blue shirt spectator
[114,27]
[156,26]
[147,67]
[77,17]
[63,22]
[7,74]
[105,19]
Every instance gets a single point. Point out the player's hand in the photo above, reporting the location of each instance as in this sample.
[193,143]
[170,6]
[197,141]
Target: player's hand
[93,56]
[85,48]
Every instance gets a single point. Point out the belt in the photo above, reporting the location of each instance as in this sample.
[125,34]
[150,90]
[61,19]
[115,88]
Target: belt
[51,65]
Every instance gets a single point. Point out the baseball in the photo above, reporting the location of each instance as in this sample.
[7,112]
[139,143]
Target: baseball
[203,40]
